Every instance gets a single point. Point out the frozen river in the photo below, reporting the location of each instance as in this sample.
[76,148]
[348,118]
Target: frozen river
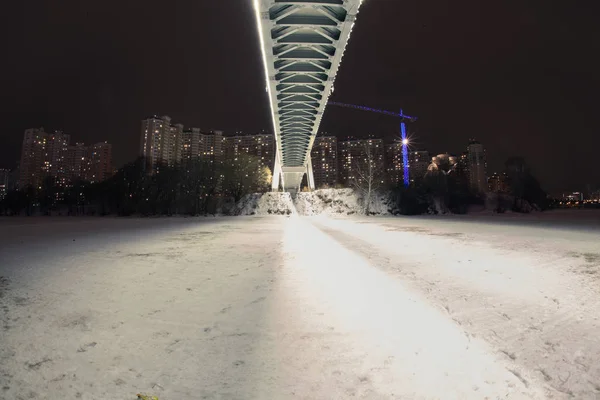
[503,307]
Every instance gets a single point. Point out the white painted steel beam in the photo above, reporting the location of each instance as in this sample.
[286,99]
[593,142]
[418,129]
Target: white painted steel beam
[302,44]
[309,174]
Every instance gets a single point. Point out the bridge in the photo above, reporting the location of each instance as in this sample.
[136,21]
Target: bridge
[303,42]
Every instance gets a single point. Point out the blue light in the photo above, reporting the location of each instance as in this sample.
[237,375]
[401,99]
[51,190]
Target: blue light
[363,108]
[404,154]
[400,115]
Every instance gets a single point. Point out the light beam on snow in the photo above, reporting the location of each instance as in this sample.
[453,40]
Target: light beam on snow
[430,355]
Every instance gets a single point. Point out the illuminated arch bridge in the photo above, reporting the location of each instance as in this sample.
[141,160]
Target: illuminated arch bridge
[303,42]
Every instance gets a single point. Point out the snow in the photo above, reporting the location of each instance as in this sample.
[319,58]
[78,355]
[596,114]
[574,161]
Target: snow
[322,307]
[529,292]
[318,202]
[265,204]
[328,201]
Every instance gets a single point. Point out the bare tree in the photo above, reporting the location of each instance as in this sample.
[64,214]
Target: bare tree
[366,180]
[244,175]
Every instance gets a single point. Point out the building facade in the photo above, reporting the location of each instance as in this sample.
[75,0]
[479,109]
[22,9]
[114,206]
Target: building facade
[160,142]
[214,148]
[198,145]
[100,162]
[261,146]
[355,157]
[33,155]
[51,155]
[418,162]
[42,155]
[55,163]
[394,166]
[498,183]
[324,159]
[192,145]
[78,162]
[477,167]
[4,182]
[172,146]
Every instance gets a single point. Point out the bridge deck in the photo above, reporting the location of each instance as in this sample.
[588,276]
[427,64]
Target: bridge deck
[302,43]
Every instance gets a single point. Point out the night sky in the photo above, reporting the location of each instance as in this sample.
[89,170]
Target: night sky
[523,77]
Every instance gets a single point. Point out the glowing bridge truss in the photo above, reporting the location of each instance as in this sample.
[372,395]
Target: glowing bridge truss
[303,42]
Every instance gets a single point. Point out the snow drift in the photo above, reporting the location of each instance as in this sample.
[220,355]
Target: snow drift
[265,204]
[339,202]
[318,202]
[334,202]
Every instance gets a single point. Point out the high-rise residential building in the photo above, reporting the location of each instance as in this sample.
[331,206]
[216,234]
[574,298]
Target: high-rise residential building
[463,163]
[56,153]
[161,142]
[100,162]
[78,162]
[172,146]
[192,144]
[418,162]
[151,139]
[49,154]
[4,178]
[214,149]
[477,167]
[394,165]
[461,168]
[324,159]
[354,157]
[197,145]
[261,146]
[33,155]
[44,154]
[498,183]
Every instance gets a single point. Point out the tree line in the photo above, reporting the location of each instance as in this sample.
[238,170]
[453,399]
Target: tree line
[195,187]
[445,188]
[203,187]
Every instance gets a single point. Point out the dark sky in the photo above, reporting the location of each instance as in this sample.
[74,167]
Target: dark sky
[521,76]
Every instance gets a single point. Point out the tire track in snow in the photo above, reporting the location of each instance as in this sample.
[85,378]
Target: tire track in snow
[517,327]
[384,319]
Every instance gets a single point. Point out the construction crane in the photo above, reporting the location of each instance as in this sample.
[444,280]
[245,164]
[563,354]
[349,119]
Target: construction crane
[403,117]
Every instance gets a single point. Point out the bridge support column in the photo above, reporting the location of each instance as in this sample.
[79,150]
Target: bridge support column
[309,174]
[277,178]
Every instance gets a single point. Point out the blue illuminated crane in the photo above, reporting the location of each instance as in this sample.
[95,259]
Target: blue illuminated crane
[402,117]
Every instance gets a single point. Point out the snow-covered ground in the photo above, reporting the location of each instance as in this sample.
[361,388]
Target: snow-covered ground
[470,307]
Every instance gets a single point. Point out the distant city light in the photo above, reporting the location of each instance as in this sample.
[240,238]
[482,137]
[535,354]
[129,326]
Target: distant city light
[405,141]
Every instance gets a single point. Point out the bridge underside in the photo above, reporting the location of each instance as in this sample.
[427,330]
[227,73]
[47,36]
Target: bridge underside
[303,42]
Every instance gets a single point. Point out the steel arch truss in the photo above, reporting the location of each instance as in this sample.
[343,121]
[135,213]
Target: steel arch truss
[303,42]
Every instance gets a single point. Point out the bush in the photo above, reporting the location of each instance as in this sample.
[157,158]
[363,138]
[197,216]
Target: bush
[408,201]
